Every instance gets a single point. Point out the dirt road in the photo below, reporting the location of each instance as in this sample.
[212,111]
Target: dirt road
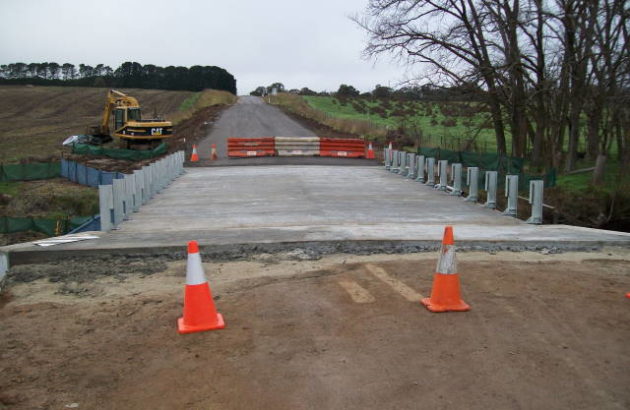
[250,117]
[339,332]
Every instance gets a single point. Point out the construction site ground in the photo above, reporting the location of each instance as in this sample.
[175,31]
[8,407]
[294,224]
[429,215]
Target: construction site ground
[343,331]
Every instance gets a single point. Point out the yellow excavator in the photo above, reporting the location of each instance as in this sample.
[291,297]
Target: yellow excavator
[122,114]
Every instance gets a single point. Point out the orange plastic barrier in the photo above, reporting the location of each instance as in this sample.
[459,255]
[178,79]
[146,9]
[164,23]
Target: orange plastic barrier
[251,147]
[337,147]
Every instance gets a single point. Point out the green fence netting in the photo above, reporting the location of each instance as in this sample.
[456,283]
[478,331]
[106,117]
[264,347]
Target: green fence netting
[28,172]
[49,227]
[490,162]
[119,153]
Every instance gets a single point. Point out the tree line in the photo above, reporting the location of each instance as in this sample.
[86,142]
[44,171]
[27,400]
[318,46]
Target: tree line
[550,71]
[425,92]
[128,74]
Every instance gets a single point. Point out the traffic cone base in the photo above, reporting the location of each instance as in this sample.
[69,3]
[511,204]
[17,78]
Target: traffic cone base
[213,152]
[199,311]
[445,295]
[183,329]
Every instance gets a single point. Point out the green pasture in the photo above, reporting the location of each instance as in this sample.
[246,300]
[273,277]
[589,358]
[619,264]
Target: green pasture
[426,116]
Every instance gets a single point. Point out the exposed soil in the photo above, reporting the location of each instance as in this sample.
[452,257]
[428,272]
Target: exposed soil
[545,331]
[37,119]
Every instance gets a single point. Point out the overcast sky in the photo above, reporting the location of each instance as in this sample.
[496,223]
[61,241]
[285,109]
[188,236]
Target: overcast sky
[299,43]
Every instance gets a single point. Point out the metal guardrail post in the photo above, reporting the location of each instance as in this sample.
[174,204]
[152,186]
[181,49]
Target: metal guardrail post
[456,174]
[146,193]
[106,206]
[411,174]
[442,167]
[129,185]
[536,189]
[395,162]
[139,187]
[420,168]
[511,192]
[118,186]
[430,171]
[491,189]
[403,164]
[472,180]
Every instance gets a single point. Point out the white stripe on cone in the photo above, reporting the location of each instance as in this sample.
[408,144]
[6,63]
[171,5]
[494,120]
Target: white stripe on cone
[194,270]
[447,263]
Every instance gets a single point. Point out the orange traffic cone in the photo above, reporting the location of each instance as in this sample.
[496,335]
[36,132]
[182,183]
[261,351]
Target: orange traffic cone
[194,157]
[628,295]
[200,314]
[370,153]
[213,152]
[445,295]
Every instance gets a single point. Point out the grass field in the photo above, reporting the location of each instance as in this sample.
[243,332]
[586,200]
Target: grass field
[35,120]
[448,125]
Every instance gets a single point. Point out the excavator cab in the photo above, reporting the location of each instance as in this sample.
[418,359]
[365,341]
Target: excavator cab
[124,115]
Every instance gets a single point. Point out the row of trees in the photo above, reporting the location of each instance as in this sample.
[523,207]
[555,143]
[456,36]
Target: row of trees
[425,92]
[128,74]
[550,71]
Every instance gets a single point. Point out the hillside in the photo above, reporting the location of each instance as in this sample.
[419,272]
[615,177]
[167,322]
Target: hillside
[35,120]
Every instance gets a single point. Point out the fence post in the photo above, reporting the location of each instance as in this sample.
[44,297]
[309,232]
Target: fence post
[456,173]
[472,180]
[106,205]
[536,189]
[511,192]
[442,166]
[388,162]
[430,171]
[491,189]
[420,168]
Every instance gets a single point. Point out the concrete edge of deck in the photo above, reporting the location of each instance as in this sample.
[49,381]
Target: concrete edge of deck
[308,249]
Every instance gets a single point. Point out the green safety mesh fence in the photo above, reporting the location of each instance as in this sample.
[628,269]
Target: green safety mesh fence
[119,153]
[490,162]
[28,172]
[50,227]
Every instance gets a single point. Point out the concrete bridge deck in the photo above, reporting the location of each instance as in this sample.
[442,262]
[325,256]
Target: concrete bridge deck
[233,211]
